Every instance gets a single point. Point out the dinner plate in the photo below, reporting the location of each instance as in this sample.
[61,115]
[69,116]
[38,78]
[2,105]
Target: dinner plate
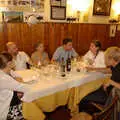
[28,75]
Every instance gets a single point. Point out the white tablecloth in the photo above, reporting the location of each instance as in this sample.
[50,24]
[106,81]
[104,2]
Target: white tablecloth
[53,83]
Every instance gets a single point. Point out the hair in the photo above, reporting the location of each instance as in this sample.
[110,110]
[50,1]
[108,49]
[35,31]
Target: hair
[97,43]
[5,57]
[112,53]
[37,44]
[66,40]
[9,44]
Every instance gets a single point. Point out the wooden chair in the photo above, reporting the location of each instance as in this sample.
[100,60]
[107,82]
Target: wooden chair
[104,114]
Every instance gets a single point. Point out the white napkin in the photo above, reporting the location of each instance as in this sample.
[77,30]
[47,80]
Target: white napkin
[28,75]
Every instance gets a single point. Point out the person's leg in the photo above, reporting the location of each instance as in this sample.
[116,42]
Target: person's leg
[98,96]
[15,111]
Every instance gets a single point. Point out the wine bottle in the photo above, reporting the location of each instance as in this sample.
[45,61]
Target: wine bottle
[68,64]
[63,67]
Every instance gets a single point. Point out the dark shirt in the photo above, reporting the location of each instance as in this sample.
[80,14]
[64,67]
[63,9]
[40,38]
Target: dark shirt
[115,76]
[116,73]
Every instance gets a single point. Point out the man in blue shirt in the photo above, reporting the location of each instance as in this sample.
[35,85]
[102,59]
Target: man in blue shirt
[64,51]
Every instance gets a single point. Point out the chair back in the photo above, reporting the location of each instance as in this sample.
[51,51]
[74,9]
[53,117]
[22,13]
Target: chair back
[108,112]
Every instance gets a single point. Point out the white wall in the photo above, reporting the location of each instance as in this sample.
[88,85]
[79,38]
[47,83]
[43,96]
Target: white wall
[85,16]
[89,12]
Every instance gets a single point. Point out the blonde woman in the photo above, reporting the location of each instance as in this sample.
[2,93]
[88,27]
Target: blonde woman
[112,58]
[39,57]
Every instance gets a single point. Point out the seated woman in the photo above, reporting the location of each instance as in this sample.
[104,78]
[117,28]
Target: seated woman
[95,57]
[7,85]
[39,57]
[112,58]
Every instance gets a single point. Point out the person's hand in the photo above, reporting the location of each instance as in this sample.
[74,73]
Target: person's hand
[89,68]
[105,86]
[20,95]
[19,79]
[90,61]
[11,65]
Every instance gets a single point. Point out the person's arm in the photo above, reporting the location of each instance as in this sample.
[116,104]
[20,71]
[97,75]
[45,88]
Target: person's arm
[55,56]
[27,58]
[115,84]
[16,76]
[103,70]
[33,59]
[74,53]
[8,82]
[86,56]
[47,60]
[111,82]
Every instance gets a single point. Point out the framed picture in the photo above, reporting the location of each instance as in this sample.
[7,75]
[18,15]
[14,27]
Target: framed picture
[55,2]
[58,13]
[102,7]
[12,16]
[2,3]
[58,3]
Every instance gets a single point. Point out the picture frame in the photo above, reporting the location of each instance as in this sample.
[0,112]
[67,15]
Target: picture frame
[12,16]
[102,7]
[58,13]
[55,2]
[58,3]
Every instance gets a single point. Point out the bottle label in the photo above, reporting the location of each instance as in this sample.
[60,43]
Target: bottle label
[69,68]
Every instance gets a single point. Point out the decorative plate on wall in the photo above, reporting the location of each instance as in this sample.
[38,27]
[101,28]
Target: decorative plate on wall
[102,7]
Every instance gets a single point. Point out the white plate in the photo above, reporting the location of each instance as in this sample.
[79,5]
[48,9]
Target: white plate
[28,75]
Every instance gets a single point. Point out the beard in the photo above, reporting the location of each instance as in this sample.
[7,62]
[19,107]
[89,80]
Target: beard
[15,53]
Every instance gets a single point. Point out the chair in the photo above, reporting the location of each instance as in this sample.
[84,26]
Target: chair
[106,112]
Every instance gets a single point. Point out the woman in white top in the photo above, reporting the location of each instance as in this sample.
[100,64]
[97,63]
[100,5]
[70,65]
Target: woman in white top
[7,84]
[95,57]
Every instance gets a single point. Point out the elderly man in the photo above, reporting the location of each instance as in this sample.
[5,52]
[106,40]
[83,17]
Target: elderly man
[20,58]
[64,51]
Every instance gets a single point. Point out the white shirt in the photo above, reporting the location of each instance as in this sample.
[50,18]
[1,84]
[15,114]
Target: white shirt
[21,60]
[98,61]
[7,86]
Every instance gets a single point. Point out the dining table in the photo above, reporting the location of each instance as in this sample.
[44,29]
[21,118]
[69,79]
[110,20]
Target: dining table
[49,89]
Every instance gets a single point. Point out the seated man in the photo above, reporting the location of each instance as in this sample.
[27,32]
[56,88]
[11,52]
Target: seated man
[7,85]
[20,58]
[64,51]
